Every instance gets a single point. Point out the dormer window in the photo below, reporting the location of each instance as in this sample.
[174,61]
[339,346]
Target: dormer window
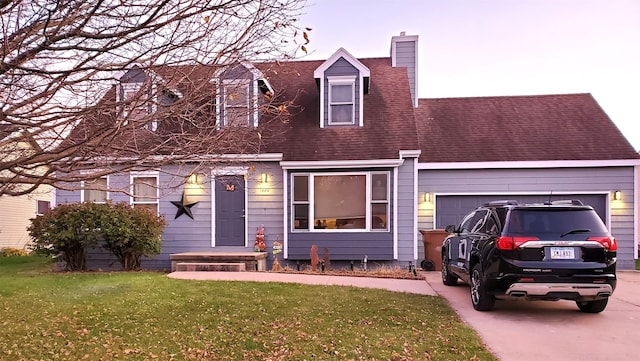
[342,100]
[135,101]
[342,82]
[236,102]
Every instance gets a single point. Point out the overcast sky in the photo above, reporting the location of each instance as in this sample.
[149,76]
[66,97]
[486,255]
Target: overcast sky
[499,47]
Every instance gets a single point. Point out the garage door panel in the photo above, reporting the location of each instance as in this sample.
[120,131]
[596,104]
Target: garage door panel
[451,209]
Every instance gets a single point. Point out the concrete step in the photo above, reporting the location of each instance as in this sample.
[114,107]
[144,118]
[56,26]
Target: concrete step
[210,266]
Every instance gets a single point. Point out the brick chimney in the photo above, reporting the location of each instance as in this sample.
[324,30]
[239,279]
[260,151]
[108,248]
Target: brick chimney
[404,53]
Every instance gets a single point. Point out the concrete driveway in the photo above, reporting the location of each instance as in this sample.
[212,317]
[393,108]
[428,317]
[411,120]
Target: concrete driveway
[554,331]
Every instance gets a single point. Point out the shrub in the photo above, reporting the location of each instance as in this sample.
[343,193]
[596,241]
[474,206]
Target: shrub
[70,229]
[132,233]
[13,252]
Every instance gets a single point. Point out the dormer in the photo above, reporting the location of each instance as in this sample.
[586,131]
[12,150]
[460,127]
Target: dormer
[139,92]
[343,80]
[239,89]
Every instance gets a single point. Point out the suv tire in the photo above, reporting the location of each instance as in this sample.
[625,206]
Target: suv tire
[481,300]
[592,306]
[447,278]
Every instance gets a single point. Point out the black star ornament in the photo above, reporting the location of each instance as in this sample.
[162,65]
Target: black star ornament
[184,206]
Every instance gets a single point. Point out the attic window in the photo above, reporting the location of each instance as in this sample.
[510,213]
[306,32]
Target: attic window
[342,92]
[135,100]
[236,103]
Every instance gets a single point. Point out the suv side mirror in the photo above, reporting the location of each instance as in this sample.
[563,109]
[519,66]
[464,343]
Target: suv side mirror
[451,228]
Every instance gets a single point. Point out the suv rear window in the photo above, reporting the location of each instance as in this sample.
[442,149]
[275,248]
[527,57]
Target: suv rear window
[555,221]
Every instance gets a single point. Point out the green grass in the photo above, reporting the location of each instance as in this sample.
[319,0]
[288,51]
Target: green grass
[146,315]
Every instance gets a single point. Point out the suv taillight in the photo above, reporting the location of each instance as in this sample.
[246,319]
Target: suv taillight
[609,243]
[507,243]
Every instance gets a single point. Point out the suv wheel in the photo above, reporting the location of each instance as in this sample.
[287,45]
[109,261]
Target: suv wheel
[447,278]
[481,300]
[592,306]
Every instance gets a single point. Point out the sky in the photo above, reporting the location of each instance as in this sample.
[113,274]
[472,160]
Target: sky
[498,47]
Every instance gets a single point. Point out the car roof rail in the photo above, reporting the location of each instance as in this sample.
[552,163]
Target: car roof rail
[504,202]
[559,202]
[573,202]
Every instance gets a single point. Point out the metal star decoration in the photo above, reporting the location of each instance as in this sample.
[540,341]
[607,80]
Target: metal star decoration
[184,206]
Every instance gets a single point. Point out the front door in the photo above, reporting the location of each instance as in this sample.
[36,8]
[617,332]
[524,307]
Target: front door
[230,215]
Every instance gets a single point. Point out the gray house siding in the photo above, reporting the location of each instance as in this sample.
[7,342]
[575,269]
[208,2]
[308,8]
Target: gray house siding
[265,206]
[341,68]
[509,182]
[406,205]
[406,56]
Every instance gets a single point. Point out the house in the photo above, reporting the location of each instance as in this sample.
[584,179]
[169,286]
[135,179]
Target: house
[17,210]
[363,164]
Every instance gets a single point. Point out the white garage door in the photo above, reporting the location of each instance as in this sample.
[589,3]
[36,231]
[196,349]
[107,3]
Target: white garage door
[451,209]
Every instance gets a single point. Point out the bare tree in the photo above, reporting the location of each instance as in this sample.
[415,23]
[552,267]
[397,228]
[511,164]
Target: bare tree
[59,101]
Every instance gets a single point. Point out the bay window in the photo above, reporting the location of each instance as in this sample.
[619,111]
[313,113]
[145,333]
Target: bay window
[340,201]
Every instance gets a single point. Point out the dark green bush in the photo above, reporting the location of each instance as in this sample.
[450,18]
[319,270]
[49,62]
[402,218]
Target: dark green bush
[132,233]
[70,229]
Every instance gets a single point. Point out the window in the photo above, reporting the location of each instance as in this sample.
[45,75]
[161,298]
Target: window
[342,100]
[145,192]
[43,207]
[343,201]
[95,190]
[236,103]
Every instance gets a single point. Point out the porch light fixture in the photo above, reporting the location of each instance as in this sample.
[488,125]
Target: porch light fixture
[193,179]
[617,195]
[263,178]
[427,197]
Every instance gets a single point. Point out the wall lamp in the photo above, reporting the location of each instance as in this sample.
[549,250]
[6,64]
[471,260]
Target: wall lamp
[263,178]
[193,179]
[617,195]
[427,197]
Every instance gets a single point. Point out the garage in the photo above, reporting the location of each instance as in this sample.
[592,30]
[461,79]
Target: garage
[450,209]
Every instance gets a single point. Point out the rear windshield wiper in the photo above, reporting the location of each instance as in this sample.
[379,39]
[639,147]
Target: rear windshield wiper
[573,231]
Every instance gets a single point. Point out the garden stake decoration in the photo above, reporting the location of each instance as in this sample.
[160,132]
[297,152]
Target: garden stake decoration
[259,244]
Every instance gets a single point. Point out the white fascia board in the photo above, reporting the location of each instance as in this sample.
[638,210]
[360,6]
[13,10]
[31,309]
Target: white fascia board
[341,164]
[410,153]
[264,157]
[319,72]
[532,164]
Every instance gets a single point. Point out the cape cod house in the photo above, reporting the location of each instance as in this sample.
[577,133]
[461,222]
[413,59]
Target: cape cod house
[363,164]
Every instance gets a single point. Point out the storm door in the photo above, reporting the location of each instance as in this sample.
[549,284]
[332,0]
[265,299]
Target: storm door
[230,217]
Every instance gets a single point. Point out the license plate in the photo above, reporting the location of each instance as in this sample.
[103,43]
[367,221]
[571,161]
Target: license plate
[562,253]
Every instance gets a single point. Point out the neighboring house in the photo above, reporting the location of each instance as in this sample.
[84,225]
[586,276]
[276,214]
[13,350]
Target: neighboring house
[362,164]
[17,211]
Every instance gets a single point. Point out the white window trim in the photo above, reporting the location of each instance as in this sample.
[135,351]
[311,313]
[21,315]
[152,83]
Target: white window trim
[148,108]
[342,80]
[237,83]
[311,202]
[82,200]
[154,174]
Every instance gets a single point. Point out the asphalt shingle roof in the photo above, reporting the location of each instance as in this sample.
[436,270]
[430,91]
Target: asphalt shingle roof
[518,128]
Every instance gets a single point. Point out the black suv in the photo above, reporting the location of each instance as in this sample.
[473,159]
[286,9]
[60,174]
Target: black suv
[551,251]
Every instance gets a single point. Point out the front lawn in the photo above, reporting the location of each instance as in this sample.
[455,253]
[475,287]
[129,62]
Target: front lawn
[146,315]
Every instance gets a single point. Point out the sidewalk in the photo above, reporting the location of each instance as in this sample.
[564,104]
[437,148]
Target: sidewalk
[391,284]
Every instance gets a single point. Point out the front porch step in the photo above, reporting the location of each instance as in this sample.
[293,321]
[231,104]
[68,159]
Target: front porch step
[250,261]
[209,266]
